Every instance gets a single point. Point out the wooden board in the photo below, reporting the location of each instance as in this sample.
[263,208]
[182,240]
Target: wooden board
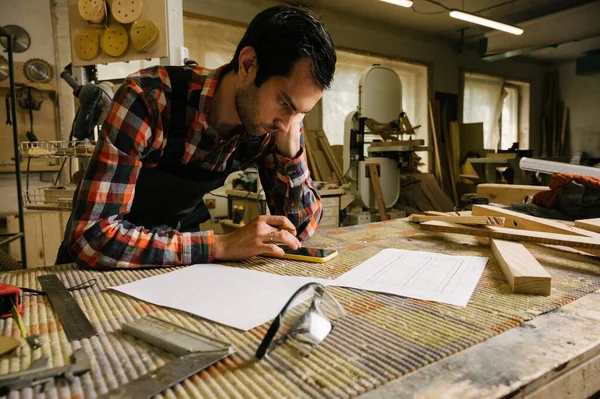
[523,272]
[506,194]
[436,145]
[589,224]
[154,10]
[517,220]
[501,155]
[504,233]
[441,198]
[322,166]
[374,176]
[397,143]
[468,220]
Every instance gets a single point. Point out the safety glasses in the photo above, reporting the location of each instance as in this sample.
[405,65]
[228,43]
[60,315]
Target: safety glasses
[304,322]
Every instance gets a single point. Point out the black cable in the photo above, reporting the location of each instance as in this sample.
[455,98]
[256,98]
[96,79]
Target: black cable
[86,284]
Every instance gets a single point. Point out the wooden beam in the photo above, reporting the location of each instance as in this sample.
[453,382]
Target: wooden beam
[523,272]
[517,220]
[468,220]
[506,194]
[377,190]
[504,233]
[589,224]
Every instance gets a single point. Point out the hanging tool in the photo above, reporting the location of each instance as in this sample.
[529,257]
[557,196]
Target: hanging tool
[75,322]
[36,375]
[196,351]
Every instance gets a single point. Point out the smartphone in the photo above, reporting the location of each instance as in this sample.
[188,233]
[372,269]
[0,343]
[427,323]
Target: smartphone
[316,255]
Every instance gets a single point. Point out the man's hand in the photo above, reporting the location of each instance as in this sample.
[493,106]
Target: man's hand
[257,237]
[288,141]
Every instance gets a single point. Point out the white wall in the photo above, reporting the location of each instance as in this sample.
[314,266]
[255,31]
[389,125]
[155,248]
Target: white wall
[34,17]
[582,95]
[445,60]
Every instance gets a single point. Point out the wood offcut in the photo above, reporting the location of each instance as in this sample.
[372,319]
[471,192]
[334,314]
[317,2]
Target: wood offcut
[523,272]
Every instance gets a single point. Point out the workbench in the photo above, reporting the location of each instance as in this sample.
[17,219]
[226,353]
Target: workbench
[500,344]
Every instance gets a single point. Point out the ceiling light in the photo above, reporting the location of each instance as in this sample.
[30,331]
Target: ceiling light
[401,3]
[485,22]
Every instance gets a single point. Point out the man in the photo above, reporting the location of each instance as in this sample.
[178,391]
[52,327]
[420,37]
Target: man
[175,133]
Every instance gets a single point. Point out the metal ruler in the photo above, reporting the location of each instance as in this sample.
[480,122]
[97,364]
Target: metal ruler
[196,351]
[166,376]
[173,338]
[75,322]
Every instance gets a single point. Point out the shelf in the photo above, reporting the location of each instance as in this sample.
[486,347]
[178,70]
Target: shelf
[32,168]
[56,149]
[51,198]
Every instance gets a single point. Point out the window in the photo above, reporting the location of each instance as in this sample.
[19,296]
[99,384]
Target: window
[211,43]
[342,99]
[503,107]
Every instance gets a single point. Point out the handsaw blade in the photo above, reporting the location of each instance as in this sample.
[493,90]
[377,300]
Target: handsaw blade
[166,376]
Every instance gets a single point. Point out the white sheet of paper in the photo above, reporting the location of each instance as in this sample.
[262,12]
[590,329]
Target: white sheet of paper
[245,299]
[236,297]
[416,274]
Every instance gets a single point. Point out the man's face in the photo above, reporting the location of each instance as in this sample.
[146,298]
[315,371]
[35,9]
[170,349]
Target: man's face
[272,107]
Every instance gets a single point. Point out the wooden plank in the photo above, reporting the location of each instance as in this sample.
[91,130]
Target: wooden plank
[437,213]
[329,155]
[398,143]
[506,194]
[436,146]
[311,160]
[374,175]
[468,220]
[323,166]
[589,224]
[517,220]
[51,233]
[428,180]
[501,155]
[504,233]
[523,272]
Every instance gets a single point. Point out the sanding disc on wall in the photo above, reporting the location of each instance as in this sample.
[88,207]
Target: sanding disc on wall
[114,40]
[126,11]
[92,10]
[144,33]
[87,44]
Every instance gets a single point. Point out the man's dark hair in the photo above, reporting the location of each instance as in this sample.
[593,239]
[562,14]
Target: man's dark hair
[281,36]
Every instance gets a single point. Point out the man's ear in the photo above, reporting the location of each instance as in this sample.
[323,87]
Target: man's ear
[247,64]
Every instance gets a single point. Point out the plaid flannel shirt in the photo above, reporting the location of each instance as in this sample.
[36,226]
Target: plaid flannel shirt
[132,138]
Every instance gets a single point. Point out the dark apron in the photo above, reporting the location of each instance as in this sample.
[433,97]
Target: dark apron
[170,195]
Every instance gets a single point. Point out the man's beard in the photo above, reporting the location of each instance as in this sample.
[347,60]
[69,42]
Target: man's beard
[246,104]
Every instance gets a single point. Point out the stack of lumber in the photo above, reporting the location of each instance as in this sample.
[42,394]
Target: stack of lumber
[522,271]
[446,149]
[321,159]
[421,192]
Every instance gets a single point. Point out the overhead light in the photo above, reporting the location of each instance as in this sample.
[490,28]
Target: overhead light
[401,3]
[485,22]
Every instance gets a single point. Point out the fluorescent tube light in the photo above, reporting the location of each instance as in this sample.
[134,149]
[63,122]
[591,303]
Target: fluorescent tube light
[401,3]
[485,22]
